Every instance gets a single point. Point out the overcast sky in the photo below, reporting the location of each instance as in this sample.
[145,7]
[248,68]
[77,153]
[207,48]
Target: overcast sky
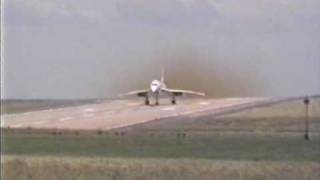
[98,48]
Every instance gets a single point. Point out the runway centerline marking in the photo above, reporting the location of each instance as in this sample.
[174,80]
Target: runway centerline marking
[168,109]
[133,104]
[204,103]
[88,115]
[89,110]
[41,122]
[17,125]
[65,119]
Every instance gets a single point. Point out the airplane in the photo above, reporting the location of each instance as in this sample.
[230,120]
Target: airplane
[158,88]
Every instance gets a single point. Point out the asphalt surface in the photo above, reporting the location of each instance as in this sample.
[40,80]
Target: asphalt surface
[121,113]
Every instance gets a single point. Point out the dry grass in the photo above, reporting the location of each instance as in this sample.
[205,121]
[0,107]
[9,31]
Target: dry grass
[283,117]
[280,117]
[290,109]
[52,168]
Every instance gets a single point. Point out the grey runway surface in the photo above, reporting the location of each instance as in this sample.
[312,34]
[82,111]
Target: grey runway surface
[119,113]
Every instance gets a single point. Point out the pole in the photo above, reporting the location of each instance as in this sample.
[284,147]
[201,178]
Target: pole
[306,102]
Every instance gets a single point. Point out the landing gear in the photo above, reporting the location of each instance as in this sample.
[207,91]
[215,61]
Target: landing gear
[147,102]
[173,100]
[157,99]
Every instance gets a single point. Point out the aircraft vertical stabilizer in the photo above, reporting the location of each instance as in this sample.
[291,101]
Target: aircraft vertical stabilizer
[162,75]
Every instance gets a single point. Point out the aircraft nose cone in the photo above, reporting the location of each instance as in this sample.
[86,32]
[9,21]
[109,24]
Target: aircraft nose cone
[154,88]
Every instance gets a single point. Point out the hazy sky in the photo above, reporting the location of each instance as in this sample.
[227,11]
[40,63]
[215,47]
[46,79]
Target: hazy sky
[98,48]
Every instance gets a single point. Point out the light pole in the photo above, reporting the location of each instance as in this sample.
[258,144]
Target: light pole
[306,102]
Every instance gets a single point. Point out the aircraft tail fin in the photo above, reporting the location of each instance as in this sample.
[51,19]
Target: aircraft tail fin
[162,74]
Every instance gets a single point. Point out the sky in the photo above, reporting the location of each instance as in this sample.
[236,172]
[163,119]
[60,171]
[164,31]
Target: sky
[58,49]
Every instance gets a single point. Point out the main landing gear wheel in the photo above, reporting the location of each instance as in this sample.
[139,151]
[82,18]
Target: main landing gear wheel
[173,100]
[157,99]
[147,102]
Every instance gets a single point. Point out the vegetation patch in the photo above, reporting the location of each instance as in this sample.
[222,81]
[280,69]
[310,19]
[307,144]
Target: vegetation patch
[52,168]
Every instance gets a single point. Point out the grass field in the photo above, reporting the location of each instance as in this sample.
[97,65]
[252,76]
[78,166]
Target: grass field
[53,168]
[261,143]
[208,146]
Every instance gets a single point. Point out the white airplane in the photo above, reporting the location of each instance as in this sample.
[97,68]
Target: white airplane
[158,88]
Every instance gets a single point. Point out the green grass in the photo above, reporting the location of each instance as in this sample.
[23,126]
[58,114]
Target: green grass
[209,146]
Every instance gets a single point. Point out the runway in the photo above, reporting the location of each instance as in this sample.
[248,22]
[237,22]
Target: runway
[117,113]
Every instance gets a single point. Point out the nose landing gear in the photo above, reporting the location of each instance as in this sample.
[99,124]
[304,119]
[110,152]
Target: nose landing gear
[147,101]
